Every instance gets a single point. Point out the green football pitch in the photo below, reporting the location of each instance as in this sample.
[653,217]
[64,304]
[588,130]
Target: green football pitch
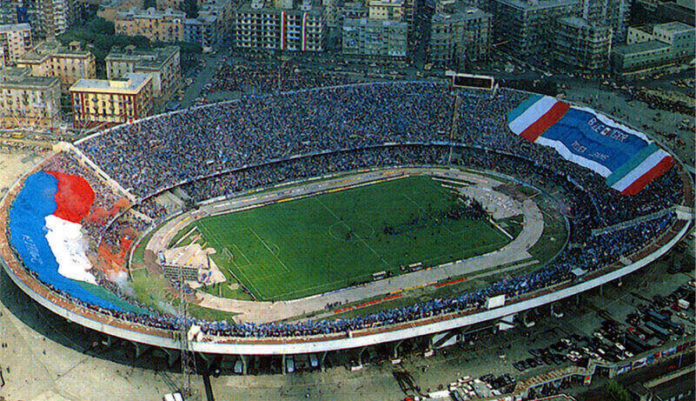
[325,242]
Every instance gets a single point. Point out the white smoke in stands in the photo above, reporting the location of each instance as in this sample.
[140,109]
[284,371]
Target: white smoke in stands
[121,279]
[167,308]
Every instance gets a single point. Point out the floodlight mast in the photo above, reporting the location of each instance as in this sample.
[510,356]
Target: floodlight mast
[185,350]
[454,124]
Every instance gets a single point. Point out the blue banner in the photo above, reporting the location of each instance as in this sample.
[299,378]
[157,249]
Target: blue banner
[585,135]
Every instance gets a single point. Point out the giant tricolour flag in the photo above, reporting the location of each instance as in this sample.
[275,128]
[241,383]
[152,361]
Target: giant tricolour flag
[45,230]
[626,158]
[45,223]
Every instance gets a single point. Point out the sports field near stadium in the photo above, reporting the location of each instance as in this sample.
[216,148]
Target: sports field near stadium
[316,244]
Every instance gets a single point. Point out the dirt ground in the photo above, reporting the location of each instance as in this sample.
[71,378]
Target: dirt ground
[13,163]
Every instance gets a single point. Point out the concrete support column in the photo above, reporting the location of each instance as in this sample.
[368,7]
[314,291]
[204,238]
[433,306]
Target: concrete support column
[429,346]
[245,364]
[140,349]
[322,361]
[283,364]
[462,338]
[255,362]
[395,348]
[360,355]
[207,359]
[172,356]
[524,317]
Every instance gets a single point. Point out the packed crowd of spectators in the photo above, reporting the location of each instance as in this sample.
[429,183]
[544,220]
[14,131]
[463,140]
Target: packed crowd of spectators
[659,102]
[260,77]
[264,140]
[265,175]
[204,142]
[107,202]
[169,150]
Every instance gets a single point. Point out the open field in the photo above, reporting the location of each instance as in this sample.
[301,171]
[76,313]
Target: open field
[317,244]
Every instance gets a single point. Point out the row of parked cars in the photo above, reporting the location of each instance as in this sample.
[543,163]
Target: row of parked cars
[651,325]
[467,388]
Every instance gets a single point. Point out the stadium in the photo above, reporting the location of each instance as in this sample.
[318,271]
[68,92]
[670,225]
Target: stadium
[340,217]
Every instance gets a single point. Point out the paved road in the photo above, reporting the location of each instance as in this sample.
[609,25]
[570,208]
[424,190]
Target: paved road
[204,76]
[261,312]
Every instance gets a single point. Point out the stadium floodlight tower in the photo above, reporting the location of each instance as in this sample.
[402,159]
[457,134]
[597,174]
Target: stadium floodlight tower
[186,332]
[467,81]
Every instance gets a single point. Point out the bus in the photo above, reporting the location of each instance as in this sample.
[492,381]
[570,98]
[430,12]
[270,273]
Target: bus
[660,333]
[665,322]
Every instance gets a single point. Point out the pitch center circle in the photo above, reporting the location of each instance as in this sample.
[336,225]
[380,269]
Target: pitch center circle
[341,231]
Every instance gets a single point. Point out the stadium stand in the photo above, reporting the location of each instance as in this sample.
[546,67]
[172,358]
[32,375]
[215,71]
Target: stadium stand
[224,149]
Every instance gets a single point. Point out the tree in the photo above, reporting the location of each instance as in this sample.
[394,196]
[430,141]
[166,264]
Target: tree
[100,26]
[190,7]
[98,35]
[617,392]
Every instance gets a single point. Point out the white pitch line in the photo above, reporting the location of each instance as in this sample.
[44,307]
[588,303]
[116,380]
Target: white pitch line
[350,228]
[285,267]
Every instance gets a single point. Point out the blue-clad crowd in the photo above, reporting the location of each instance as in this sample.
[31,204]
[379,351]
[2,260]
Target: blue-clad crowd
[260,77]
[228,148]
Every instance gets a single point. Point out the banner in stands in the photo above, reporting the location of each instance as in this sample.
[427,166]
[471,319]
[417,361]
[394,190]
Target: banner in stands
[626,158]
[46,232]
[496,301]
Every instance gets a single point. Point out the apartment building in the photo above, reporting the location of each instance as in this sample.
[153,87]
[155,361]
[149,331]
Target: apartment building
[375,38]
[15,40]
[351,10]
[678,35]
[582,45]
[202,31]
[171,25]
[222,10]
[67,63]
[156,25]
[8,12]
[651,48]
[173,4]
[459,34]
[55,16]
[526,28]
[615,14]
[28,102]
[393,10]
[640,58]
[111,102]
[162,64]
[263,26]
[681,10]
